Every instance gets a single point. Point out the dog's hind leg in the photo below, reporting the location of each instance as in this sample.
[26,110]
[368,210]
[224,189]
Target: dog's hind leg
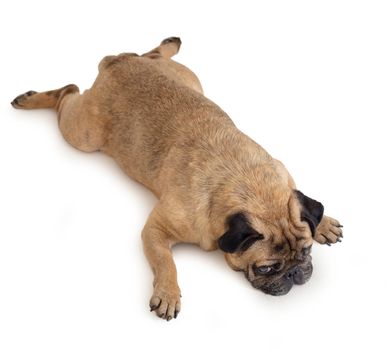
[167,49]
[79,123]
[47,99]
[162,54]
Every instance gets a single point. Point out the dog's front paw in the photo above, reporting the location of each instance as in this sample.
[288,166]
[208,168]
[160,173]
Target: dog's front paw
[166,301]
[329,231]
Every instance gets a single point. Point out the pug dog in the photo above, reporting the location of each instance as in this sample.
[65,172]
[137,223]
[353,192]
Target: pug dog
[217,188]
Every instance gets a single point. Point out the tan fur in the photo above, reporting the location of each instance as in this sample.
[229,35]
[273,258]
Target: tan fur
[149,113]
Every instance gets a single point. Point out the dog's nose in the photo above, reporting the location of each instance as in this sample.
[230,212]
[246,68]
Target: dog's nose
[295,274]
[289,274]
[298,276]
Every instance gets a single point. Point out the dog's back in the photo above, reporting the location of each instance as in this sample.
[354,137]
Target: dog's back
[150,107]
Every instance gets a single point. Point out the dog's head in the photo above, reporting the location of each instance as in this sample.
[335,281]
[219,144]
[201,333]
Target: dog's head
[272,245]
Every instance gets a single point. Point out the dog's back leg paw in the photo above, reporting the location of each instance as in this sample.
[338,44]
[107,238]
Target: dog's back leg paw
[47,99]
[22,100]
[167,49]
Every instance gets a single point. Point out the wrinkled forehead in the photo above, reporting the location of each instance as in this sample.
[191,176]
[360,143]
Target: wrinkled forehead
[296,236]
[286,235]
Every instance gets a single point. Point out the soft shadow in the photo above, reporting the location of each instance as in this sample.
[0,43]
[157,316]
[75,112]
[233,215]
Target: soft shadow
[215,257]
[145,196]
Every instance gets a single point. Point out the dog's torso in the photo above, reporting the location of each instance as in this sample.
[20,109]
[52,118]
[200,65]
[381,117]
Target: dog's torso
[150,111]
[167,135]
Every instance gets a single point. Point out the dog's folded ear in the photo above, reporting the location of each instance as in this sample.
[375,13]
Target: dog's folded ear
[240,235]
[312,211]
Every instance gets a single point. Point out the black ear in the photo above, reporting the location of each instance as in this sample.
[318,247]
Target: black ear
[312,211]
[240,235]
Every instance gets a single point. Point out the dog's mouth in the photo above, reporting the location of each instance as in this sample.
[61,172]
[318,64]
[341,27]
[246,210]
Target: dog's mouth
[282,283]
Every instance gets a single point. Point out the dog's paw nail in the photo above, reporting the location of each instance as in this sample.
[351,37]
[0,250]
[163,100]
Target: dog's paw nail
[339,240]
[175,314]
[329,244]
[341,235]
[168,318]
[155,305]
[340,225]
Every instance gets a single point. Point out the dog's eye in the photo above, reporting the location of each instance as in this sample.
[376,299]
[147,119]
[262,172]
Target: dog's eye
[306,251]
[267,269]
[263,270]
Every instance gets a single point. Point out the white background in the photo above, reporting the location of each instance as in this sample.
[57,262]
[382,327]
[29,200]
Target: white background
[308,80]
